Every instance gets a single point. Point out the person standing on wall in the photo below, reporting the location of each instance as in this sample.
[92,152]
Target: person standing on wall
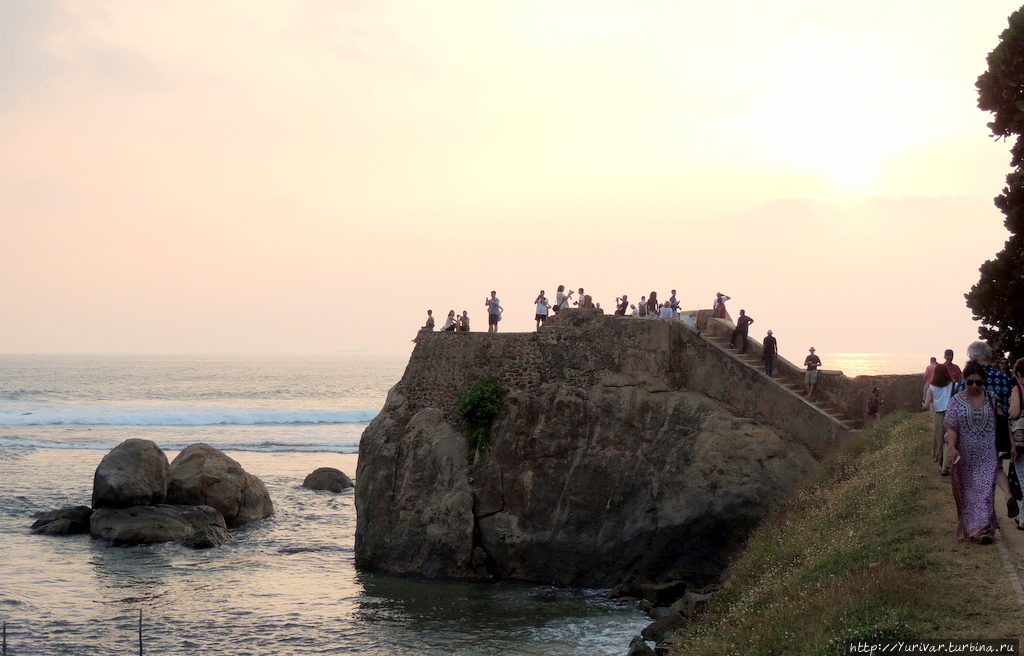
[542,309]
[742,327]
[673,303]
[562,299]
[812,362]
[719,305]
[494,311]
[769,350]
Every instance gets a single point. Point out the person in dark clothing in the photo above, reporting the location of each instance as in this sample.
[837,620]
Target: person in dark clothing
[742,326]
[769,351]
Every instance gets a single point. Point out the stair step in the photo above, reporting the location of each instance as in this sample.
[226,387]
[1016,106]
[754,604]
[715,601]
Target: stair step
[794,385]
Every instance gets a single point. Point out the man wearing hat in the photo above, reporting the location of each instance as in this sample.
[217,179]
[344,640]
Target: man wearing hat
[769,349]
[812,362]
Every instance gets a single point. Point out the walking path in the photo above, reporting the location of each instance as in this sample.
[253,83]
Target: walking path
[1011,548]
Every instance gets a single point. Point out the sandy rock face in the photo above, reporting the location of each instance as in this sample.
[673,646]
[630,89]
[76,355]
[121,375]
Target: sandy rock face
[146,524]
[134,473]
[328,478]
[202,475]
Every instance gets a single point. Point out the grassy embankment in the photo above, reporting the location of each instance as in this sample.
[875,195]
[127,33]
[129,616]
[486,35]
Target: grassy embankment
[865,551]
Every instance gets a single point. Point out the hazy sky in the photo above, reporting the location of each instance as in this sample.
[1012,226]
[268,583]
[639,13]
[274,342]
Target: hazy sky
[309,177]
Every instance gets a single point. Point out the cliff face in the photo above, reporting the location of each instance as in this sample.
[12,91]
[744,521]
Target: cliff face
[605,462]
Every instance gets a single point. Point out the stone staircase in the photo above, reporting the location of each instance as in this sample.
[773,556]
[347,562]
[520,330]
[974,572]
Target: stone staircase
[793,383]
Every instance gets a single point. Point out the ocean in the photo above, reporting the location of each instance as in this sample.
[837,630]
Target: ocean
[283,585]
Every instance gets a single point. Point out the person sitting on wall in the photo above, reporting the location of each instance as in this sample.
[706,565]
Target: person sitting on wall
[427,327]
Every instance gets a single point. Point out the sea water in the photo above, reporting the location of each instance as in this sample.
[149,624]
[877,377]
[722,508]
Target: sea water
[283,585]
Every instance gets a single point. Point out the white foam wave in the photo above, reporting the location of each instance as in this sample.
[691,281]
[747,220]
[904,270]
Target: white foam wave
[263,447]
[132,415]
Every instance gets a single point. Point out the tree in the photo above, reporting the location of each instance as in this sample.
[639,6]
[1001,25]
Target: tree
[997,300]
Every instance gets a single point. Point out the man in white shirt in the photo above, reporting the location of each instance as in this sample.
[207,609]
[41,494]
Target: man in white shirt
[494,311]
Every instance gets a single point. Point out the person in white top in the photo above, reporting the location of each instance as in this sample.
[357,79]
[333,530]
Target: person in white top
[542,309]
[936,399]
[562,299]
[666,311]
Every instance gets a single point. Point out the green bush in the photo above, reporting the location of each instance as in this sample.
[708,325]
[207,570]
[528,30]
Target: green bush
[478,405]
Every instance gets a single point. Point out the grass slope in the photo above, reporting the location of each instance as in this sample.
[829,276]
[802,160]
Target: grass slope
[865,551]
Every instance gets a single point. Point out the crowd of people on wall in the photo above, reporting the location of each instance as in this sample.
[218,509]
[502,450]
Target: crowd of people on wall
[649,307]
[978,411]
[978,425]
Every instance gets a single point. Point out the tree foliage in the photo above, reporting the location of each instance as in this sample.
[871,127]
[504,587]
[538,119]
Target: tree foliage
[997,300]
[479,404]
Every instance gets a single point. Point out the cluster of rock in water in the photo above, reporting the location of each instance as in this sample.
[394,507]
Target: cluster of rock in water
[139,498]
[671,605]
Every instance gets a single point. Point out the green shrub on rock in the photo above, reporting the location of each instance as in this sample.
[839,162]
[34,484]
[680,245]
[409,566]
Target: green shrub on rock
[479,404]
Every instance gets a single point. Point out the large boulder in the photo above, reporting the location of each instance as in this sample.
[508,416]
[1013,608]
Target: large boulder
[415,510]
[328,478]
[146,524]
[65,521]
[134,473]
[202,475]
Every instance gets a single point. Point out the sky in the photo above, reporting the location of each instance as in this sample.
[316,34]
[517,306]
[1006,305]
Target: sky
[297,177]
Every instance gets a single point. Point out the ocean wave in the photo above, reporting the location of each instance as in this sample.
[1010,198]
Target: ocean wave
[13,442]
[130,415]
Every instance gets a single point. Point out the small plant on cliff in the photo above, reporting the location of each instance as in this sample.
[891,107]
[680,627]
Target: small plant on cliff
[478,405]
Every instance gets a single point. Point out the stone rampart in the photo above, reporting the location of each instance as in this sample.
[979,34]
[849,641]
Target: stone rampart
[845,395]
[626,449]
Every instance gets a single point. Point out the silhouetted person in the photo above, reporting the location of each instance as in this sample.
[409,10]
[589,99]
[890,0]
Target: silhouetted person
[769,351]
[742,327]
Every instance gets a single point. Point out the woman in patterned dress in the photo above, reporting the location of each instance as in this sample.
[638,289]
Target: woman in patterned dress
[971,438]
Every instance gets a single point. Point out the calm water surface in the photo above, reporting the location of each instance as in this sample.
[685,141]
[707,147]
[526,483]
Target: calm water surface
[284,585]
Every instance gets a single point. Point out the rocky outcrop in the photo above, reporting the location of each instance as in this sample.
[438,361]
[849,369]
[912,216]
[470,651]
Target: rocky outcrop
[134,473]
[605,463]
[146,524]
[424,480]
[65,521]
[328,478]
[203,475]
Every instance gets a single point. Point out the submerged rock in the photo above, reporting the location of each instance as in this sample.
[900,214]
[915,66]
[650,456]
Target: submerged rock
[203,475]
[146,524]
[65,521]
[328,478]
[206,537]
[134,473]
[637,647]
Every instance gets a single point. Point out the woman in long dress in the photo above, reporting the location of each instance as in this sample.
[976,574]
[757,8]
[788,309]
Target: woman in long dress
[971,438]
